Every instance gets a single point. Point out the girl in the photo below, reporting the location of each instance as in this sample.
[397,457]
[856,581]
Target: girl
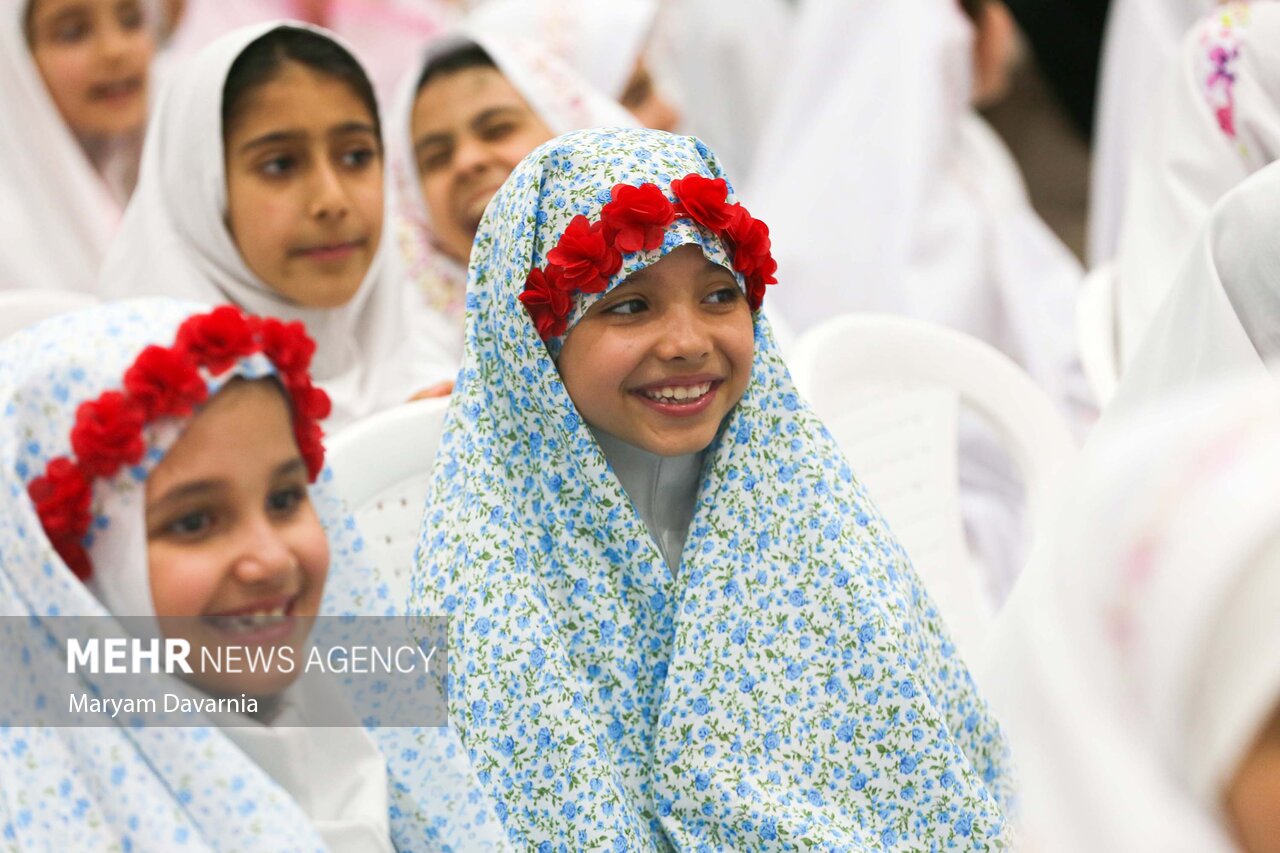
[1138,666]
[676,619]
[468,112]
[262,185]
[73,104]
[606,44]
[1217,122]
[165,465]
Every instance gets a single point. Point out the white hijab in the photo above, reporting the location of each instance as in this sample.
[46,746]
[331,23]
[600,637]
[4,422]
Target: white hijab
[1217,123]
[885,191]
[1222,314]
[1140,45]
[1140,655]
[553,90]
[372,353]
[600,41]
[57,213]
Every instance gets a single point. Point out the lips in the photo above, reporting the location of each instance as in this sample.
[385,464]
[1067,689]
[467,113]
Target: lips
[116,90]
[330,252]
[262,616]
[680,397]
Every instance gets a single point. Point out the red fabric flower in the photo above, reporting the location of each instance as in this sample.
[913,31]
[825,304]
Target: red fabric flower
[749,241]
[288,346]
[309,401]
[218,339]
[310,440]
[547,302]
[108,434]
[164,382]
[587,256]
[62,497]
[638,216]
[703,200]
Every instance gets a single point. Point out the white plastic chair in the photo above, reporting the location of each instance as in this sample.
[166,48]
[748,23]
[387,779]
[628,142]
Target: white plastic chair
[1097,333]
[890,391]
[22,308]
[382,468]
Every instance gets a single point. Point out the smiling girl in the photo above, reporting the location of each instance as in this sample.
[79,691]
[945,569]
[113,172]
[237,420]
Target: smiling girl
[73,105]
[166,465]
[677,621]
[263,186]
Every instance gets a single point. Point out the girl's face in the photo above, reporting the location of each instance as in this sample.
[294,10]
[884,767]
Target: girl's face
[661,359]
[470,130]
[643,100]
[93,56]
[1253,795]
[236,554]
[304,186]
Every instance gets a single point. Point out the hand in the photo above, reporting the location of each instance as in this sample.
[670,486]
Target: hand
[440,389]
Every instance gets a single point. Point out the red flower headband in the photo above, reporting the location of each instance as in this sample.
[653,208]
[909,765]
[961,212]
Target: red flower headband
[589,254]
[166,382]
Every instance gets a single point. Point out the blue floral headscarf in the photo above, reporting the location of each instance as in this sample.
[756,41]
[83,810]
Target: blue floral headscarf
[120,787]
[791,686]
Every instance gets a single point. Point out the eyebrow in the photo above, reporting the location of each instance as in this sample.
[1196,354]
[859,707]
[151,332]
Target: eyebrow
[197,488]
[276,137]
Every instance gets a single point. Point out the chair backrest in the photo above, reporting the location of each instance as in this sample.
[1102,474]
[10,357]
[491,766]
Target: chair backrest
[890,390]
[22,308]
[382,467]
[1097,331]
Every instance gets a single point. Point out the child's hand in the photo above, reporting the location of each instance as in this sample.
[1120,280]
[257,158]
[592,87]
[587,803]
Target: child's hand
[440,389]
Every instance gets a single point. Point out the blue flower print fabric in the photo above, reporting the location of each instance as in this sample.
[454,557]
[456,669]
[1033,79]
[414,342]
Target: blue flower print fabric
[790,688]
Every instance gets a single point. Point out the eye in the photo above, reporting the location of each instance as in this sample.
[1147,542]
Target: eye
[358,158]
[724,295]
[70,31]
[498,130]
[278,166]
[627,307]
[285,501]
[191,525]
[435,160]
[130,16]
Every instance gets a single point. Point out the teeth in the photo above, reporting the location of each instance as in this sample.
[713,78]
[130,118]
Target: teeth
[251,621]
[679,393]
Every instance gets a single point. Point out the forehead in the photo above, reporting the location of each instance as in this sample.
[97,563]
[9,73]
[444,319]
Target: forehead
[39,9]
[453,100]
[298,97]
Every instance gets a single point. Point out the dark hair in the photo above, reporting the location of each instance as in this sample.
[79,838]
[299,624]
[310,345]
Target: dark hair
[264,59]
[972,8]
[466,55]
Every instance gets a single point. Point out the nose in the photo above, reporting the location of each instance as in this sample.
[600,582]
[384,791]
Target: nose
[470,157]
[686,335]
[116,40]
[265,558]
[329,199]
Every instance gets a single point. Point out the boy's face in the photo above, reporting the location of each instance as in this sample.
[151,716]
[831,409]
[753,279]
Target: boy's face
[93,56]
[304,186]
[235,552]
[470,129]
[660,360]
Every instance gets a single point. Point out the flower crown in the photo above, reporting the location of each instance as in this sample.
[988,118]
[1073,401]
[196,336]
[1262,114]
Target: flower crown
[589,254]
[168,382]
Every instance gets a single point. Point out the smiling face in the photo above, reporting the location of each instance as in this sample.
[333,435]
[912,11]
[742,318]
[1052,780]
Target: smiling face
[304,186]
[470,130]
[235,551]
[661,359]
[93,56]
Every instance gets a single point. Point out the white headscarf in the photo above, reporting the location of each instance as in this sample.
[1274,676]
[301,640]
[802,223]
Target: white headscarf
[1141,44]
[1218,122]
[1140,656]
[372,353]
[1222,314]
[885,191]
[555,93]
[57,213]
[601,41]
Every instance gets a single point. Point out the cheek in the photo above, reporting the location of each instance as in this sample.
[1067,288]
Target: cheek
[65,72]
[182,581]
[312,548]
[368,199]
[518,146]
[261,222]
